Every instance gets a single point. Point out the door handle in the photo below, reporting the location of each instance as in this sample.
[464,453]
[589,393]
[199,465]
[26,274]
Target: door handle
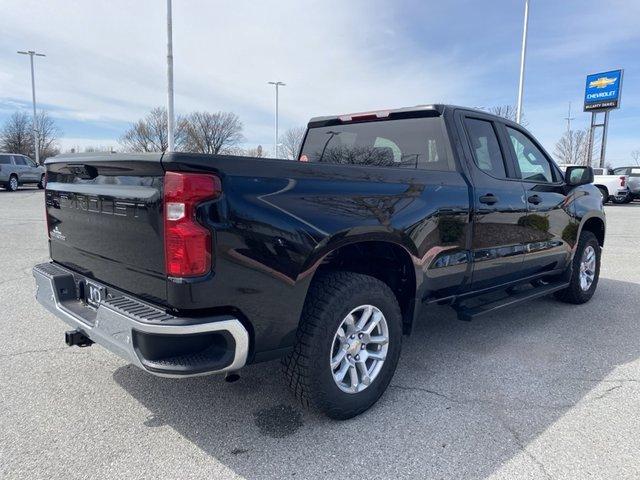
[535,199]
[489,199]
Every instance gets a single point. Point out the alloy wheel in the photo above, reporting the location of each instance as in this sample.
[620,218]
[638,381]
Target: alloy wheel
[359,348]
[587,268]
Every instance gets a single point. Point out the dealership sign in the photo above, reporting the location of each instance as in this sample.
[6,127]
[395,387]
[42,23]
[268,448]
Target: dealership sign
[602,91]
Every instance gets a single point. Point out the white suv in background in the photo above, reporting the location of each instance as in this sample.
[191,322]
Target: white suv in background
[16,170]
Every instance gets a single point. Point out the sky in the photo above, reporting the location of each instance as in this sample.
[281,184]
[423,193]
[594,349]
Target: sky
[106,61]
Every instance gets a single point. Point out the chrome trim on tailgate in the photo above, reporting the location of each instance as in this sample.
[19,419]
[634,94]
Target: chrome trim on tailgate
[115,318]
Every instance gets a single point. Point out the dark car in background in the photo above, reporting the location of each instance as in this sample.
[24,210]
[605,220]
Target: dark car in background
[17,169]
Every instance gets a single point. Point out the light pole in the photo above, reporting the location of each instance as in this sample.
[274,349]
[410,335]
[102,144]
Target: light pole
[275,142]
[36,138]
[568,118]
[170,114]
[523,55]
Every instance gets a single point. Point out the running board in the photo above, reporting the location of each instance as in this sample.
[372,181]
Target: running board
[467,314]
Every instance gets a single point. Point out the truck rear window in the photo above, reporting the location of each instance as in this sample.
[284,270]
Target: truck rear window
[403,143]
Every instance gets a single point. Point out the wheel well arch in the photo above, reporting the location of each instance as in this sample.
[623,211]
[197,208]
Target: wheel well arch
[602,187]
[387,261]
[596,226]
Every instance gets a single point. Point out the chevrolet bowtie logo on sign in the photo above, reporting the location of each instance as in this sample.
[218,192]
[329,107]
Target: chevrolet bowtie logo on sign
[602,91]
[603,82]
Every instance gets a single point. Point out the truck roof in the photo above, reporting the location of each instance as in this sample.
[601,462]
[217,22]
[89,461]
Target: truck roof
[431,110]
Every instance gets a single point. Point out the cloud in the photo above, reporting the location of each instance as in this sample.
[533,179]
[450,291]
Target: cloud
[105,62]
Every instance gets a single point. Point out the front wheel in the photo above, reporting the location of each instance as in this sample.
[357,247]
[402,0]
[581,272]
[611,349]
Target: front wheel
[41,182]
[585,271]
[347,345]
[12,186]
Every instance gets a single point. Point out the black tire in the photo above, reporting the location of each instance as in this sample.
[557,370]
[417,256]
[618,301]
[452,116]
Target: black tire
[41,182]
[620,200]
[605,195]
[330,299]
[574,292]
[12,185]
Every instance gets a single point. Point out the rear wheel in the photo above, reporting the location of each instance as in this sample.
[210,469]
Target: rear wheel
[347,345]
[12,186]
[620,199]
[585,271]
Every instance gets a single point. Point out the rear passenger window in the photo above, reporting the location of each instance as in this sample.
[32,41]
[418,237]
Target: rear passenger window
[5,160]
[485,147]
[414,143]
[18,160]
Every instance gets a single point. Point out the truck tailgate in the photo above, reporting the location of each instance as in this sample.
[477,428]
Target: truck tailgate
[104,215]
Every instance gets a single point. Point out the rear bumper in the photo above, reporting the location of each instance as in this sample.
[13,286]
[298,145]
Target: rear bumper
[139,332]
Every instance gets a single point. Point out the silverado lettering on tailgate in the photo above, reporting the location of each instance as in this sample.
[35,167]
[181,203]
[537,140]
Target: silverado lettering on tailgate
[107,206]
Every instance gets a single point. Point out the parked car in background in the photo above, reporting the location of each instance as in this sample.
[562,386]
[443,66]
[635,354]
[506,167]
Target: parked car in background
[633,179]
[16,170]
[613,187]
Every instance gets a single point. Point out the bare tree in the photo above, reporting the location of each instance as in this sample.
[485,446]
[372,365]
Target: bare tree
[506,111]
[200,132]
[635,155]
[48,134]
[291,142]
[16,135]
[149,134]
[208,132]
[573,147]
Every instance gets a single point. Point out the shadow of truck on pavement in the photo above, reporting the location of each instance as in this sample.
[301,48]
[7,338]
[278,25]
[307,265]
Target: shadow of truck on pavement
[466,398]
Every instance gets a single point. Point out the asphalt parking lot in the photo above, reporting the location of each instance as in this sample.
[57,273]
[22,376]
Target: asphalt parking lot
[544,391]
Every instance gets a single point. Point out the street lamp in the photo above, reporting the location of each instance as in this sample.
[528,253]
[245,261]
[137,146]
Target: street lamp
[275,142]
[36,138]
[523,55]
[170,115]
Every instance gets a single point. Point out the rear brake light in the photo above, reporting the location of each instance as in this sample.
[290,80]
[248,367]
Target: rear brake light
[359,117]
[622,181]
[187,244]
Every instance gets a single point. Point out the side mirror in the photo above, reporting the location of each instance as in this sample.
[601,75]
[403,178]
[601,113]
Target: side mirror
[575,176]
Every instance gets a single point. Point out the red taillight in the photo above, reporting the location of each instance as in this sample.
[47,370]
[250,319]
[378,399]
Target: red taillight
[622,181]
[187,244]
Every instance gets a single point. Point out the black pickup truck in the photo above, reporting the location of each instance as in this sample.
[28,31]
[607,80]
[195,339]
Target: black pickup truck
[188,264]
